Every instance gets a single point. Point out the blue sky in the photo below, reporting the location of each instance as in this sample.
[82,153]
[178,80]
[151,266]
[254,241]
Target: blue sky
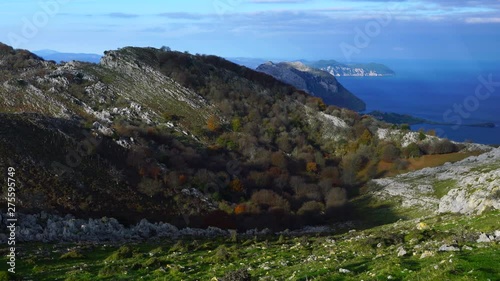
[287,29]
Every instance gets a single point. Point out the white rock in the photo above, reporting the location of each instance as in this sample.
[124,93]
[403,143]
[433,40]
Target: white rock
[427,254]
[446,248]
[483,238]
[401,252]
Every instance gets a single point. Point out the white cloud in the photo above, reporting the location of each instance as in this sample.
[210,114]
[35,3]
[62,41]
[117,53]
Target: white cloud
[482,20]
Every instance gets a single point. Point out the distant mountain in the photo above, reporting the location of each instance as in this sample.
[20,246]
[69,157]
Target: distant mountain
[332,66]
[360,69]
[315,82]
[58,57]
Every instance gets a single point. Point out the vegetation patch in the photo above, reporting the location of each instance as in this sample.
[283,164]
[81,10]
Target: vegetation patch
[441,188]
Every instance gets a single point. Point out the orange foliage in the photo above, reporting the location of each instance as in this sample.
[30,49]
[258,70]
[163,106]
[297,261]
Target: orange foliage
[213,123]
[240,209]
[312,167]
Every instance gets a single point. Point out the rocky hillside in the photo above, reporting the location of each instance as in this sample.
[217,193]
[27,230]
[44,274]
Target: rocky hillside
[168,135]
[315,82]
[470,186]
[185,139]
[336,68]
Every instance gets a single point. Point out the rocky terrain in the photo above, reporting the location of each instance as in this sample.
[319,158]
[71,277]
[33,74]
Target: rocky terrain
[338,69]
[470,186]
[313,81]
[156,164]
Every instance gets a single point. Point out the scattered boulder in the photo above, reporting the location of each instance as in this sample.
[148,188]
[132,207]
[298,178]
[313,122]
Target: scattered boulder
[343,270]
[401,251]
[427,254]
[446,248]
[483,238]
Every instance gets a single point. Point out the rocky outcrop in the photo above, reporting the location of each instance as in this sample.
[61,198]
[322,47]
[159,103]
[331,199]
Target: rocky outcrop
[470,186]
[45,227]
[315,82]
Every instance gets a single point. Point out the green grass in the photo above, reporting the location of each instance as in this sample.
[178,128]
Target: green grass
[441,188]
[368,255]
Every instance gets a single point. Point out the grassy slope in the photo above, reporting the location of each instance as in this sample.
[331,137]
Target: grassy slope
[368,255]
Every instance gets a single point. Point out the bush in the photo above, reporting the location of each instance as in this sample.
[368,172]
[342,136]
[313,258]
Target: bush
[222,254]
[421,136]
[312,167]
[72,255]
[439,147]
[123,252]
[444,147]
[311,208]
[337,197]
[412,151]
[270,199]
[390,153]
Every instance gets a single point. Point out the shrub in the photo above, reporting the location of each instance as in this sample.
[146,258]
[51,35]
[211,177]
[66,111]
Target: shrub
[178,247]
[312,167]
[405,127]
[439,147]
[236,185]
[213,124]
[311,208]
[221,254]
[240,209]
[278,160]
[412,151]
[270,199]
[72,255]
[366,138]
[236,124]
[390,153]
[444,147]
[123,252]
[421,135]
[309,191]
[337,197]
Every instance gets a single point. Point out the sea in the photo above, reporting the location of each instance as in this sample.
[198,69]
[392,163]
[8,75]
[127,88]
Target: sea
[458,93]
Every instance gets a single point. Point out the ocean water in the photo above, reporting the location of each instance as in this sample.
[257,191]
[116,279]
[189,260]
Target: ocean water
[445,92]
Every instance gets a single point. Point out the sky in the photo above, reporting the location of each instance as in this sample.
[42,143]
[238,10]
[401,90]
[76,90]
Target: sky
[348,31]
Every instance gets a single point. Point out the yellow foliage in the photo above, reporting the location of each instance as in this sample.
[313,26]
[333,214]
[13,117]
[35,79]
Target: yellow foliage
[312,167]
